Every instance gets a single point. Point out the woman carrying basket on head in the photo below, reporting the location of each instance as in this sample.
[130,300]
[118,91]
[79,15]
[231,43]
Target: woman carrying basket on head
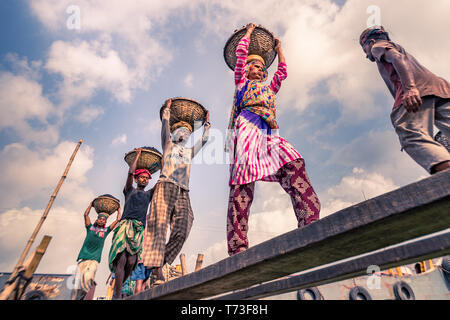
[258,152]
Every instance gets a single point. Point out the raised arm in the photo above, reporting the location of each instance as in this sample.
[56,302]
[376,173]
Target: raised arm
[279,50]
[199,144]
[119,216]
[242,54]
[87,221]
[131,171]
[281,73]
[165,126]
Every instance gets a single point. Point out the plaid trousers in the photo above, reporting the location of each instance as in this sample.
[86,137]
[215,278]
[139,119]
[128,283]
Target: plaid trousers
[294,180]
[170,206]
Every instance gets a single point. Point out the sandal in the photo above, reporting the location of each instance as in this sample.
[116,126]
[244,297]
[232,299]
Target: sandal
[158,282]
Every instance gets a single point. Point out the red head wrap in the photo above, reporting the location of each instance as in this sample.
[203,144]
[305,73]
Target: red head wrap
[138,172]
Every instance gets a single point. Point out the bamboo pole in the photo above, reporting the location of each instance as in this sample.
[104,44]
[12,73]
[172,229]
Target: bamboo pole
[183,264]
[33,262]
[44,216]
[198,264]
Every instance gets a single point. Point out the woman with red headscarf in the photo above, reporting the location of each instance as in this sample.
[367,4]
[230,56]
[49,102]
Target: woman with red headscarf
[126,248]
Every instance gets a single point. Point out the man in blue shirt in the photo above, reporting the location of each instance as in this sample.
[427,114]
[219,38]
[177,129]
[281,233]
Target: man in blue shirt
[126,246]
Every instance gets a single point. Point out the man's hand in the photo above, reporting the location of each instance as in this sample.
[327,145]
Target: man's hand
[168,103]
[138,153]
[207,123]
[166,111]
[166,114]
[412,100]
[132,169]
[119,216]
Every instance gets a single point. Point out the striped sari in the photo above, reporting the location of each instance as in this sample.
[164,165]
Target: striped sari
[258,151]
[128,235]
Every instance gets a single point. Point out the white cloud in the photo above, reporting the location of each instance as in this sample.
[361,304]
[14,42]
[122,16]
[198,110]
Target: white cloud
[21,101]
[87,67]
[21,66]
[355,188]
[120,55]
[125,54]
[188,80]
[28,173]
[320,42]
[212,254]
[122,139]
[89,114]
[113,15]
[272,213]
[263,226]
[150,127]
[65,226]
[28,179]
[379,151]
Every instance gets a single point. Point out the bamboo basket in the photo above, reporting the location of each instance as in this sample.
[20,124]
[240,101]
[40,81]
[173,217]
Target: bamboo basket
[262,43]
[106,204]
[187,110]
[169,272]
[150,159]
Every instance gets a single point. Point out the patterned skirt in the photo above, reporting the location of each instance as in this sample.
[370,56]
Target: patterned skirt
[128,235]
[257,151]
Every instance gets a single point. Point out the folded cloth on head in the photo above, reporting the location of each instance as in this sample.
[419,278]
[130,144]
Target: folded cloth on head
[103,215]
[252,57]
[139,172]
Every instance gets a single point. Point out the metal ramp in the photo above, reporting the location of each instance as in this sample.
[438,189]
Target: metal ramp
[416,210]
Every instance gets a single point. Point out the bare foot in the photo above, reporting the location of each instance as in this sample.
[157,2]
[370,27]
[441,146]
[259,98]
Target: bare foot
[440,167]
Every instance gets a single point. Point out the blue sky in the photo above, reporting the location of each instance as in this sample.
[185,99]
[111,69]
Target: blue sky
[105,83]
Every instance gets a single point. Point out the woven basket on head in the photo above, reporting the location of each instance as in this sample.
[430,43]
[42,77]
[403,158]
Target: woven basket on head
[262,43]
[187,110]
[150,159]
[106,204]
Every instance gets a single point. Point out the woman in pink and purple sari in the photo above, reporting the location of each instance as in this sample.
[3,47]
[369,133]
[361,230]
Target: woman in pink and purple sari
[257,152]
